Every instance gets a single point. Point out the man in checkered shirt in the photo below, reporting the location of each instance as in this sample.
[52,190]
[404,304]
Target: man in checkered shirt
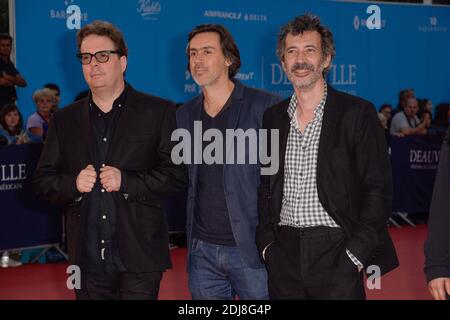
[323,215]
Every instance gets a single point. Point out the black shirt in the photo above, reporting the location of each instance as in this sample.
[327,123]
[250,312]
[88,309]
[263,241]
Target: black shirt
[7,93]
[100,246]
[212,220]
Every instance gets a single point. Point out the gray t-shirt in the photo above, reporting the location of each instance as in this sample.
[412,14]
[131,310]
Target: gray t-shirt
[400,121]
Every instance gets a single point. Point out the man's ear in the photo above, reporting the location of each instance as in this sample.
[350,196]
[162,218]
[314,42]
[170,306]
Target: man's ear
[123,63]
[327,62]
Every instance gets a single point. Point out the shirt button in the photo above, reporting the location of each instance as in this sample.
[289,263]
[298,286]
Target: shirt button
[104,139]
[103,241]
[103,190]
[104,217]
[120,105]
[99,115]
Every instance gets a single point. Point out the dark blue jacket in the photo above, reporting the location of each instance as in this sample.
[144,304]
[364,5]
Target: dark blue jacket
[240,182]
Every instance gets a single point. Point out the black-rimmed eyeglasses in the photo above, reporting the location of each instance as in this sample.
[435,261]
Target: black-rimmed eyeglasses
[100,56]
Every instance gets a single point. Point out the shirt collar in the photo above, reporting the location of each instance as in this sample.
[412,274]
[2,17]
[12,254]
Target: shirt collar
[118,103]
[318,111]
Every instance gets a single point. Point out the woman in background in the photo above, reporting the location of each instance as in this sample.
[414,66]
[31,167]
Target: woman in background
[37,123]
[11,126]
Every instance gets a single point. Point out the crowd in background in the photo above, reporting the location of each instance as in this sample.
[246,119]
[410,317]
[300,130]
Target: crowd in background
[412,116]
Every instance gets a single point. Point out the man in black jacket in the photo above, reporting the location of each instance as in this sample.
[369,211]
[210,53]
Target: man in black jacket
[107,157]
[323,216]
[437,245]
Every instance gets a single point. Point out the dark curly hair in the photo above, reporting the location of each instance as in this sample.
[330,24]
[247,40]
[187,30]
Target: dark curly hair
[301,24]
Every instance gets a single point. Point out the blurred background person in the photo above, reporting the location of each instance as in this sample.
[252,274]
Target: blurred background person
[11,126]
[407,123]
[56,95]
[9,75]
[442,118]
[403,97]
[37,123]
[432,130]
[424,105]
[385,116]
[437,245]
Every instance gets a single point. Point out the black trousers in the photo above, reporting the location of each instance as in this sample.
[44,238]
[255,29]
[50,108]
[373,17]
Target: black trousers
[312,263]
[119,286]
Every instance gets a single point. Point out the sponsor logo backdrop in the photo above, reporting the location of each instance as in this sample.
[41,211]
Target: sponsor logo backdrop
[409,49]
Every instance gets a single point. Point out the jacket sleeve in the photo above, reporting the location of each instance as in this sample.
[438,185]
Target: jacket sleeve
[374,171]
[437,245]
[265,228]
[166,177]
[51,181]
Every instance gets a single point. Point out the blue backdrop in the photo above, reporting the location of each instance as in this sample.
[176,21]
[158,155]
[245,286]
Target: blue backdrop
[411,49]
[414,163]
[25,220]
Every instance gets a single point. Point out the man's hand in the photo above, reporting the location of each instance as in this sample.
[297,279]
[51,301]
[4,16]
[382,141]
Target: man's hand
[110,178]
[438,287]
[86,179]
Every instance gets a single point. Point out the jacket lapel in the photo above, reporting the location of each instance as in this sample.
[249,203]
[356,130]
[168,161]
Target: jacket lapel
[195,115]
[282,123]
[123,124]
[233,119]
[330,116]
[84,121]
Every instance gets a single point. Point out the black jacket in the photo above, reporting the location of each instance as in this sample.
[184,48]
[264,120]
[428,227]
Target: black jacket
[141,149]
[437,245]
[353,178]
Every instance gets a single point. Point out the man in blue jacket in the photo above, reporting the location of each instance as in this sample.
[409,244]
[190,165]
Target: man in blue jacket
[222,215]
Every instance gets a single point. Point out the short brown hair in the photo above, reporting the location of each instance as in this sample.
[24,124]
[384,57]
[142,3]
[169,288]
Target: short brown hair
[229,47]
[307,22]
[104,29]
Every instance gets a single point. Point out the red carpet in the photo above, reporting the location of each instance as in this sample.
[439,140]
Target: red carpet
[48,281]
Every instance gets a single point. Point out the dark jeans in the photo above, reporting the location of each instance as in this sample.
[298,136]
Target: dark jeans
[312,263]
[119,286]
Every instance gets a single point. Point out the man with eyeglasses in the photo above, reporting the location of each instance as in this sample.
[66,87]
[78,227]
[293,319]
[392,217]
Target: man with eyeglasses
[9,76]
[107,158]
